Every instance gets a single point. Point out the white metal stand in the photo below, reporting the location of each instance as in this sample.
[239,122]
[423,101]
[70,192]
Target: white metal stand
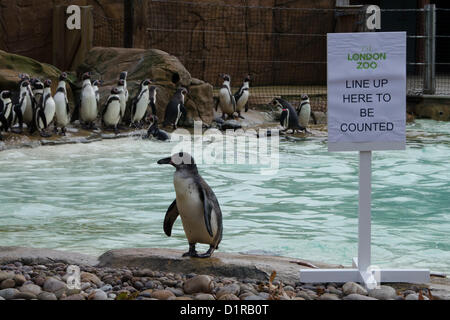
[362,271]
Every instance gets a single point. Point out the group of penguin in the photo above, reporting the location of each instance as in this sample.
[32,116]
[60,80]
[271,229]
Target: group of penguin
[295,119]
[38,109]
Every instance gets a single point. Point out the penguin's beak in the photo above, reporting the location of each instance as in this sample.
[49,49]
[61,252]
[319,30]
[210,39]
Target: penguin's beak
[167,160]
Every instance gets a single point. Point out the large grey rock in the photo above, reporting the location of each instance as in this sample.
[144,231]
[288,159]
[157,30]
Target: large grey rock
[43,256]
[197,284]
[383,293]
[240,266]
[165,70]
[4,275]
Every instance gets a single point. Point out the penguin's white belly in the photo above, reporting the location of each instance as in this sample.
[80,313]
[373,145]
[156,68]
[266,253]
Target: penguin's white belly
[242,101]
[88,110]
[190,206]
[62,118]
[49,110]
[304,115]
[225,101]
[141,107]
[112,114]
[27,110]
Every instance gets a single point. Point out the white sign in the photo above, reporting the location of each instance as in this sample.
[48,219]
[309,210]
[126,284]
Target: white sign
[366,91]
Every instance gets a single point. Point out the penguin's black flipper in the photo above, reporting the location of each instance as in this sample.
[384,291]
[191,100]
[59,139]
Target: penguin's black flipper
[283,117]
[171,215]
[4,122]
[76,110]
[216,103]
[207,208]
[246,107]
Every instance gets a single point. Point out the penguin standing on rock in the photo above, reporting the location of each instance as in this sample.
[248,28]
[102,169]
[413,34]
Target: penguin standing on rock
[62,105]
[304,111]
[88,106]
[111,110]
[196,204]
[288,118]
[140,104]
[45,112]
[175,108]
[24,110]
[5,111]
[226,99]
[241,97]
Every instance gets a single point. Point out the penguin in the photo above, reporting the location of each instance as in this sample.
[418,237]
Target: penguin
[38,90]
[122,86]
[226,99]
[288,118]
[24,110]
[175,108]
[95,86]
[5,111]
[88,105]
[304,111]
[241,97]
[111,110]
[196,204]
[44,112]
[155,131]
[62,105]
[140,103]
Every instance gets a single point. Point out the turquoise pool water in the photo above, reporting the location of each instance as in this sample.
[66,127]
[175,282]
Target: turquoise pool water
[111,194]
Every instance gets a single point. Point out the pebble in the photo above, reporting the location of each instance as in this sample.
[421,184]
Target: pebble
[253,297]
[204,296]
[176,292]
[25,295]
[8,283]
[329,296]
[9,293]
[90,277]
[6,275]
[356,296]
[162,294]
[233,289]
[200,283]
[304,295]
[98,295]
[228,296]
[106,287]
[46,296]
[353,287]
[383,293]
[56,286]
[76,297]
[19,279]
[31,288]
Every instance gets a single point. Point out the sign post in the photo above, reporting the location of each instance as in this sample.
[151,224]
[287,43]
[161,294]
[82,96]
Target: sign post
[366,111]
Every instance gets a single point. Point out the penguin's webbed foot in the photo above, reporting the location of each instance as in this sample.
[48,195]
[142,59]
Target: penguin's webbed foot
[192,252]
[241,117]
[207,254]
[45,134]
